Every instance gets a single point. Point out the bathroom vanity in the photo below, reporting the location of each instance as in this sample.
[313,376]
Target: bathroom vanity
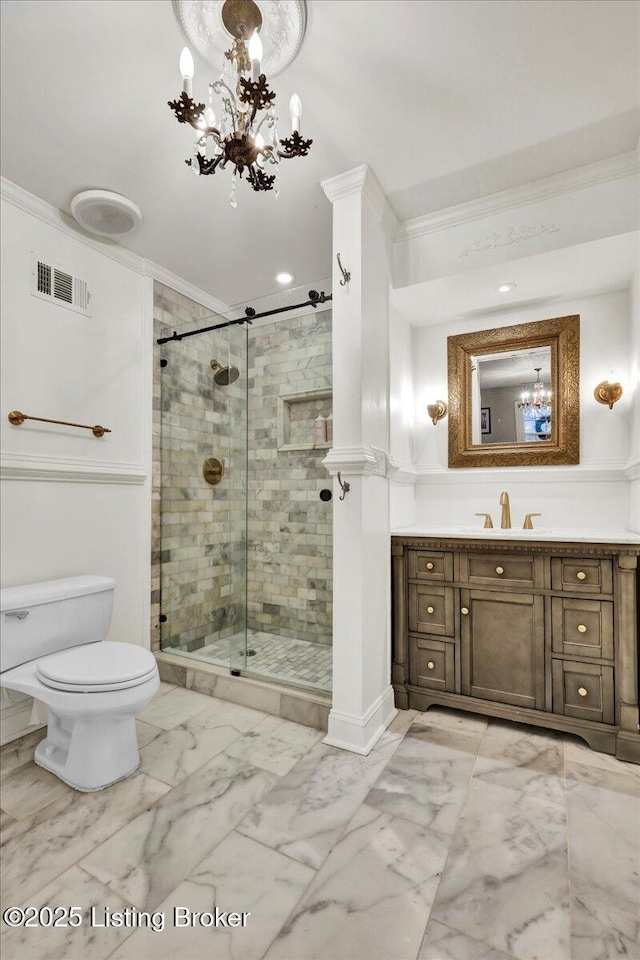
[527,626]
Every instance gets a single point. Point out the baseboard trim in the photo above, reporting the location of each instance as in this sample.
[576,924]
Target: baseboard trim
[360,734]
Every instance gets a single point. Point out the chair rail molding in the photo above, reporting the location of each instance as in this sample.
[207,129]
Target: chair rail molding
[16,466]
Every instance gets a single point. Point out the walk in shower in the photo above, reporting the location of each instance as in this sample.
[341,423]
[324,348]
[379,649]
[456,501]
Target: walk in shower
[242,572]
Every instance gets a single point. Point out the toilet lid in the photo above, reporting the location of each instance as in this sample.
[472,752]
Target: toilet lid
[97,667]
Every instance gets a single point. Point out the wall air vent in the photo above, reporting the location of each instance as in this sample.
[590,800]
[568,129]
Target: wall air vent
[50,282]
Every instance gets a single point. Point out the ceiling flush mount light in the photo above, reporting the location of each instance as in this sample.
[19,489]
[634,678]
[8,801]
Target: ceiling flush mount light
[105,213]
[244,134]
[285,277]
[506,287]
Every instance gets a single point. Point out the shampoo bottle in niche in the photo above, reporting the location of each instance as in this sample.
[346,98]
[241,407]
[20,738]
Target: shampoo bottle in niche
[321,429]
[330,428]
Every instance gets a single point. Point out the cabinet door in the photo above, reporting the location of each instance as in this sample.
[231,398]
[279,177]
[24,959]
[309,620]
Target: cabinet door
[503,647]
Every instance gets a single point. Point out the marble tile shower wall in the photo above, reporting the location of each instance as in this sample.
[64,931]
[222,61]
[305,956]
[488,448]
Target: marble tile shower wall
[289,528]
[198,529]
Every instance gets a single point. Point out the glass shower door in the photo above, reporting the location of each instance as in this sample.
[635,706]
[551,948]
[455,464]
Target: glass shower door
[203,496]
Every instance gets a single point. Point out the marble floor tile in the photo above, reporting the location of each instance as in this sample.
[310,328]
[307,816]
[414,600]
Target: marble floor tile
[426,779]
[523,758]
[178,753]
[447,717]
[146,733]
[604,857]
[165,687]
[372,896]
[307,810]
[603,930]
[240,876]
[174,707]
[73,888]
[154,853]
[275,745]
[395,732]
[29,788]
[506,880]
[18,752]
[5,820]
[577,751]
[35,851]
[443,943]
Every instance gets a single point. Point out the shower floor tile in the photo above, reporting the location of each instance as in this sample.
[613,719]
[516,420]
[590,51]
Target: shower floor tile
[285,659]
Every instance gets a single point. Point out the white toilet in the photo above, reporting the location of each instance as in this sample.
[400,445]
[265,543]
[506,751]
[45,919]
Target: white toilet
[52,647]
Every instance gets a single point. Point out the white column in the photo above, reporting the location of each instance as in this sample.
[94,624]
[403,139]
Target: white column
[363,703]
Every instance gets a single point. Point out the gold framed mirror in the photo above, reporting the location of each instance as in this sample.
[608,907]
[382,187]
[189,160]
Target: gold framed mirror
[514,395]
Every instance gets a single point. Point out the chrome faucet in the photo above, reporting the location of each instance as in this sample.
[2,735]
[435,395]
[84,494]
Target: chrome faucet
[505,521]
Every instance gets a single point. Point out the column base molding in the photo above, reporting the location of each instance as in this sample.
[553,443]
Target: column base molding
[360,734]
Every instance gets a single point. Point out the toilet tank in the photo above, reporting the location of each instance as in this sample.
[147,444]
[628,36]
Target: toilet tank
[41,618]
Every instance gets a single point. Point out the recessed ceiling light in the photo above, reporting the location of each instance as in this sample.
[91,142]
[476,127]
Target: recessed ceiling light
[284,277]
[506,287]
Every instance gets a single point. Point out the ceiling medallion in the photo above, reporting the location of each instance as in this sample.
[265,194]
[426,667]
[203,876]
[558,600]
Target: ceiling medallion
[208,25]
[247,104]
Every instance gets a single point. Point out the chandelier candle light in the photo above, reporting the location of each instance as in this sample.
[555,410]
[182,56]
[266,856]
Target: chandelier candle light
[247,134]
[540,399]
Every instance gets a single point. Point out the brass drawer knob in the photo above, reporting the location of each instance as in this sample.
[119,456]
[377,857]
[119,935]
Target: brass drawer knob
[581,575]
[429,566]
[464,611]
[431,665]
[429,609]
[582,628]
[499,571]
[582,691]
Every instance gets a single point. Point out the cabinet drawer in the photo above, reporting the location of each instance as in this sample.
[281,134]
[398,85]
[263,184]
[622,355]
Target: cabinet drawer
[583,690]
[430,565]
[582,628]
[581,576]
[491,569]
[431,664]
[431,609]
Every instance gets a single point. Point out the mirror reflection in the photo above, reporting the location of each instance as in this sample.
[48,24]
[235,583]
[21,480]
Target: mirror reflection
[511,397]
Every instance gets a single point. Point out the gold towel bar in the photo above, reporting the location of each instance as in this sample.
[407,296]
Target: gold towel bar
[17,418]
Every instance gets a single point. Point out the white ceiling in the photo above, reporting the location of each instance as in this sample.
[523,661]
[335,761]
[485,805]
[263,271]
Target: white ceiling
[446,99]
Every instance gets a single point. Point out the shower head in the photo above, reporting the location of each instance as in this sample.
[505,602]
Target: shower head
[224,375]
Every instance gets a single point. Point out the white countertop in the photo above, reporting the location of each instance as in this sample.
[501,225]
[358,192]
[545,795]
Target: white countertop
[542,534]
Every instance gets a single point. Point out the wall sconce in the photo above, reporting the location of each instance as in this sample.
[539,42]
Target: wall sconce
[437,411]
[608,393]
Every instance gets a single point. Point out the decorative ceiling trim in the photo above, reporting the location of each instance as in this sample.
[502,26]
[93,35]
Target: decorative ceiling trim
[54,217]
[569,181]
[362,180]
[507,237]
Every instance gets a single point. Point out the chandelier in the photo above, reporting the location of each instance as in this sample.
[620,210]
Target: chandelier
[244,133]
[540,399]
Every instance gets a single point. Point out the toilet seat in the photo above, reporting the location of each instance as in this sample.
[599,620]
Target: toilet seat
[97,667]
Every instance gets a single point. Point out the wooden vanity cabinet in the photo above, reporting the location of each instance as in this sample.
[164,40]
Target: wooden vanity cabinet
[543,633]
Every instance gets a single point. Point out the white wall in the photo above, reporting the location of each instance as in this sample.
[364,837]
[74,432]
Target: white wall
[596,492]
[71,503]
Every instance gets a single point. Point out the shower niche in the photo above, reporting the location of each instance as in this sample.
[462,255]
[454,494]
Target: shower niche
[298,416]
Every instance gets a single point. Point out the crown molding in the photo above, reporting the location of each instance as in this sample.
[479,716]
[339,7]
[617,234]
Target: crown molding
[632,469]
[569,181]
[362,180]
[401,471]
[16,466]
[54,217]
